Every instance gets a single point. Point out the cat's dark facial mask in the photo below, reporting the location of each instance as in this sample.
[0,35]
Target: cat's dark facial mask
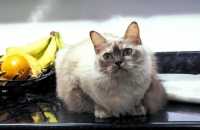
[118,58]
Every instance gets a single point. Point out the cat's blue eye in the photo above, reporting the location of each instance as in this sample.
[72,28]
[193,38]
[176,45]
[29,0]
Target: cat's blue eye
[107,56]
[127,52]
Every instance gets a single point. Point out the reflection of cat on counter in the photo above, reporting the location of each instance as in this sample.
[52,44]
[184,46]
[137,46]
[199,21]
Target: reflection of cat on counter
[110,76]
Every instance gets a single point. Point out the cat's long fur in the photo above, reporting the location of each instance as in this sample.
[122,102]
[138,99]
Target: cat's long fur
[88,83]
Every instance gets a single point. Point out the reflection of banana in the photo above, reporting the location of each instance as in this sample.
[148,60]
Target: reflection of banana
[38,118]
[49,113]
[50,116]
[36,68]
[31,48]
[49,54]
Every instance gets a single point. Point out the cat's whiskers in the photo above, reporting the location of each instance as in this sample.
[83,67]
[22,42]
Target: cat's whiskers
[145,69]
[107,71]
[139,71]
[139,59]
[136,65]
[142,70]
[136,81]
[131,65]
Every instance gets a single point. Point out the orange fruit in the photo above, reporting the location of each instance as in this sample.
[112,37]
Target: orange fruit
[16,64]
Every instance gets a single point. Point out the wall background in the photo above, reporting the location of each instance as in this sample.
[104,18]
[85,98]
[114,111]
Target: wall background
[167,25]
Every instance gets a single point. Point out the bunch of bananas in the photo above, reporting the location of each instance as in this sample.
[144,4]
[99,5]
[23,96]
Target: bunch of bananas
[40,54]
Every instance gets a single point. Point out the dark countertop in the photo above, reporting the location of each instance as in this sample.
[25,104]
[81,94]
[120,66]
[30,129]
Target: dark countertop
[36,106]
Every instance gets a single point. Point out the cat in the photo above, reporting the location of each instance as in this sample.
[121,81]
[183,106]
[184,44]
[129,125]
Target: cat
[109,76]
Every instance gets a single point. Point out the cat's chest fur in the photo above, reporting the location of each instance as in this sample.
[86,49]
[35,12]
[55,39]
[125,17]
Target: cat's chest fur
[117,95]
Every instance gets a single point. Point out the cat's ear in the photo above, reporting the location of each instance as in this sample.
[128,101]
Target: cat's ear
[133,32]
[97,41]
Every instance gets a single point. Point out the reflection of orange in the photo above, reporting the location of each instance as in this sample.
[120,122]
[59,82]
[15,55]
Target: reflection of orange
[16,64]
[38,117]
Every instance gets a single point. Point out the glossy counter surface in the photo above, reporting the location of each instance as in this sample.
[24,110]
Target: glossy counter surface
[38,111]
[30,111]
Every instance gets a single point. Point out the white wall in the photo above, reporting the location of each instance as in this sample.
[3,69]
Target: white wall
[166,25]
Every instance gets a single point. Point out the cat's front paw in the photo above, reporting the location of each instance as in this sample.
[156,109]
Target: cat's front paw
[139,110]
[101,112]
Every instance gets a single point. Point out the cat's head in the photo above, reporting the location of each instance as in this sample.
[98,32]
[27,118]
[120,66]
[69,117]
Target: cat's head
[115,55]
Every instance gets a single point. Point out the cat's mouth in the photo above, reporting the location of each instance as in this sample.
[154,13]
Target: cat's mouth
[120,71]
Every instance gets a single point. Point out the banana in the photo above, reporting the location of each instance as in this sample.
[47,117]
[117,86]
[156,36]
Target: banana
[60,39]
[39,55]
[59,44]
[31,48]
[49,54]
[36,68]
